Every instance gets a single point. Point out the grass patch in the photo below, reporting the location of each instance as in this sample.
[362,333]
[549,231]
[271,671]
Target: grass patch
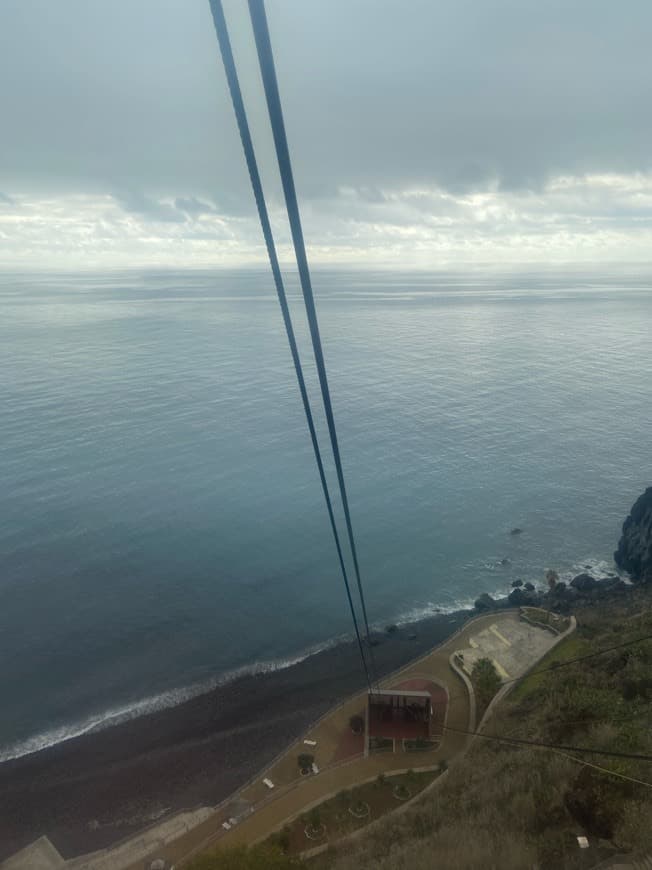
[518,806]
[377,798]
[571,647]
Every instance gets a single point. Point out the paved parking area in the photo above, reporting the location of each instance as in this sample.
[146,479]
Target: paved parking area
[512,645]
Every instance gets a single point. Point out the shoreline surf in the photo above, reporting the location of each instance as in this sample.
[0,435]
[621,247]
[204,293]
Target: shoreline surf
[174,697]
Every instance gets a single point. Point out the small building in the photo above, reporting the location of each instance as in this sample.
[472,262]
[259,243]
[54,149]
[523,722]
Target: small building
[399,714]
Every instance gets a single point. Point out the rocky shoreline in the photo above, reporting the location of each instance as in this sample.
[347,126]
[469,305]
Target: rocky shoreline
[633,556]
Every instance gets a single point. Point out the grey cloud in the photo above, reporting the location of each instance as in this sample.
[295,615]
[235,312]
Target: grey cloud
[193,206]
[149,208]
[378,95]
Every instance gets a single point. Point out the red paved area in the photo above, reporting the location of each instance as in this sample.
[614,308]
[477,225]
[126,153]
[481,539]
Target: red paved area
[439,700]
[399,729]
[349,746]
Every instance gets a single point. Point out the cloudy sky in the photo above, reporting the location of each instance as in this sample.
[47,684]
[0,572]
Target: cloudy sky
[426,132]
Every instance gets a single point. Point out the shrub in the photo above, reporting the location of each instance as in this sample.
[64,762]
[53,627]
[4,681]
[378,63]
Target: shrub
[314,819]
[356,723]
[281,839]
[485,680]
[305,760]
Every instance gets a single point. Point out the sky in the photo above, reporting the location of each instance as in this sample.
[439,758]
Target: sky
[425,133]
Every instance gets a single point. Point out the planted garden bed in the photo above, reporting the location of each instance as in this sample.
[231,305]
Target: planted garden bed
[350,810]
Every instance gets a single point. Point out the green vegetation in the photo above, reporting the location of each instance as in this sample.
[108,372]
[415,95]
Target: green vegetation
[314,825]
[514,807]
[349,811]
[356,724]
[381,744]
[305,761]
[262,857]
[420,744]
[486,683]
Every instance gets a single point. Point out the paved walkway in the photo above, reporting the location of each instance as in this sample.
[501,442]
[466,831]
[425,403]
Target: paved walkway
[258,811]
[263,812]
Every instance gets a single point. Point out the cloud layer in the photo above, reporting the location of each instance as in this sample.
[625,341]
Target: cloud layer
[508,129]
[589,219]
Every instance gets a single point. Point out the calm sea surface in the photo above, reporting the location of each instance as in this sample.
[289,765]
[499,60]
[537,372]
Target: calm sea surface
[161,521]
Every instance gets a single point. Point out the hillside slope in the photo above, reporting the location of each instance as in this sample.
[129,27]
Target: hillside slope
[512,808]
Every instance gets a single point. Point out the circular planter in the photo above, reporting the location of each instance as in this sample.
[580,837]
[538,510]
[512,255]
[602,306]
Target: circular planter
[401,793]
[362,812]
[315,833]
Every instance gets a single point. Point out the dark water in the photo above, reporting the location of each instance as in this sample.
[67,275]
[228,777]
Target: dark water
[161,520]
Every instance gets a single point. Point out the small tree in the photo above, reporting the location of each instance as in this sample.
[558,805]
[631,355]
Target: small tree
[356,723]
[305,760]
[314,820]
[486,681]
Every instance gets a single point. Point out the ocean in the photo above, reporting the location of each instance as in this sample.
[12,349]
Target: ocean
[162,527]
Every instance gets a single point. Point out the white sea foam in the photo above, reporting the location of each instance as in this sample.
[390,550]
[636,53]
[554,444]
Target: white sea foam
[599,568]
[161,701]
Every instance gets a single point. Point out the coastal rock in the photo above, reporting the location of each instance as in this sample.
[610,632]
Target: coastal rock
[485,602]
[521,598]
[529,587]
[634,553]
[516,584]
[584,582]
[516,531]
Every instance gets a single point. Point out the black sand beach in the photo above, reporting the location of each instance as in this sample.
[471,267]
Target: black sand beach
[99,788]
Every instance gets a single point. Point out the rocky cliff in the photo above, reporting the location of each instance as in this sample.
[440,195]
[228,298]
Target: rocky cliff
[634,553]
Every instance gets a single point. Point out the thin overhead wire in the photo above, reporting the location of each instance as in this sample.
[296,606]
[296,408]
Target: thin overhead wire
[603,769]
[268,72]
[519,741]
[252,165]
[558,665]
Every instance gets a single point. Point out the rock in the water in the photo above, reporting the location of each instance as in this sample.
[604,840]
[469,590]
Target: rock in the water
[390,629]
[516,531]
[584,582]
[521,598]
[516,584]
[529,587]
[485,602]
[634,553]
[505,562]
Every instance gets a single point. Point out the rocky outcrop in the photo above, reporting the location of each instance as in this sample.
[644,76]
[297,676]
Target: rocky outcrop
[485,602]
[634,553]
[584,582]
[519,598]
